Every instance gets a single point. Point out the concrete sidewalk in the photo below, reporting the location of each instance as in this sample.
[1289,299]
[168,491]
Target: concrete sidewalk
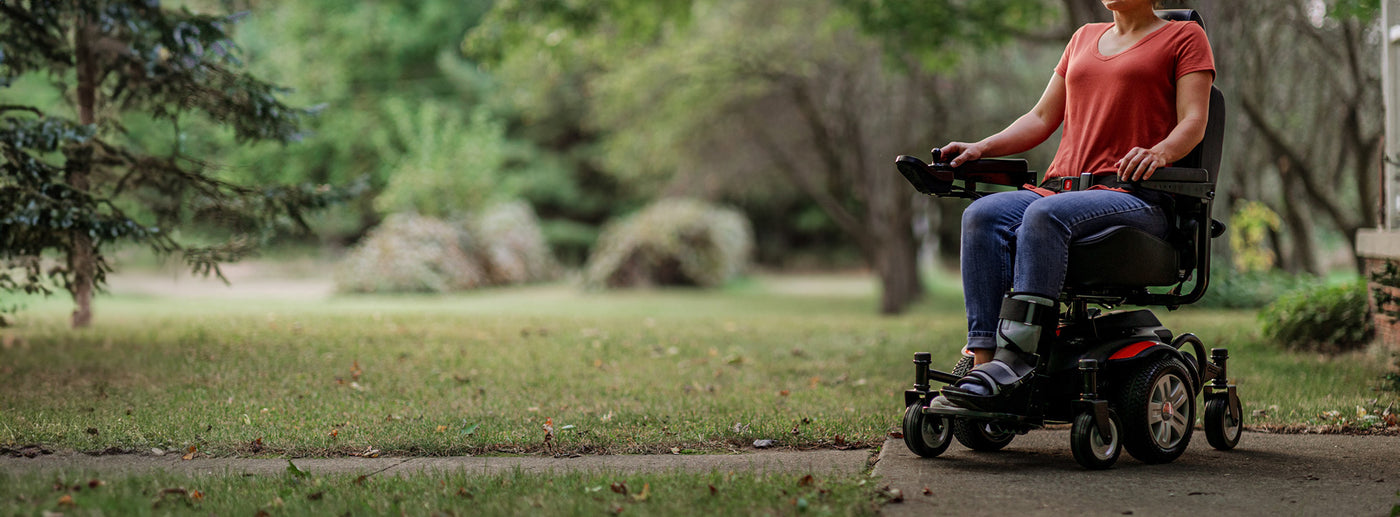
[816,462]
[1268,474]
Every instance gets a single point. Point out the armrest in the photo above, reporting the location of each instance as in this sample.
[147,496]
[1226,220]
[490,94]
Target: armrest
[937,179]
[997,171]
[1181,174]
[1181,180]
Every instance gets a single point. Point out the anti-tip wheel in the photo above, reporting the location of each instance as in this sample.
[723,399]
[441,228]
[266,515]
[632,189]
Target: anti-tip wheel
[1222,430]
[926,435]
[1091,448]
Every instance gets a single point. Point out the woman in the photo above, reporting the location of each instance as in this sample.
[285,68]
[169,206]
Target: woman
[1133,96]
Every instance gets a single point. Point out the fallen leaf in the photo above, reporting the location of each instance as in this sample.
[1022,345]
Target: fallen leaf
[675,450]
[66,501]
[896,434]
[316,496]
[713,490]
[619,487]
[334,433]
[806,480]
[95,483]
[784,393]
[814,382]
[189,455]
[262,513]
[293,470]
[469,430]
[645,493]
[462,492]
[197,496]
[762,444]
[370,452]
[896,495]
[928,491]
[441,428]
[355,370]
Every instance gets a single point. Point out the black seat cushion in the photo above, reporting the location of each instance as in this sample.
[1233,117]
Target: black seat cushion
[1122,256]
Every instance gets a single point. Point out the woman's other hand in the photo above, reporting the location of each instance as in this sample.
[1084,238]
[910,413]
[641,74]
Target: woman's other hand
[958,153]
[1139,164]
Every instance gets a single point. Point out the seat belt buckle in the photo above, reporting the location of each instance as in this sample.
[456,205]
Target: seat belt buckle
[1086,180]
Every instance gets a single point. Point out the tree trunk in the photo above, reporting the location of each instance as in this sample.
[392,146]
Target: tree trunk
[896,251]
[82,260]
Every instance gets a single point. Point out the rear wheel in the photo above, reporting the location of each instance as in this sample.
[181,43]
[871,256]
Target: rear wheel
[1158,408]
[926,435]
[1222,430]
[1091,448]
[978,435]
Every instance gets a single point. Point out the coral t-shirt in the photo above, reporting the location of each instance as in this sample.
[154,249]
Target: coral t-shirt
[1114,103]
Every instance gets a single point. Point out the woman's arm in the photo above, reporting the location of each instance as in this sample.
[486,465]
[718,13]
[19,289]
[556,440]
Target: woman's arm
[1192,112]
[1023,134]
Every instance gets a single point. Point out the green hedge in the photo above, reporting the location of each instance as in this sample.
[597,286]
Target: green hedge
[1324,319]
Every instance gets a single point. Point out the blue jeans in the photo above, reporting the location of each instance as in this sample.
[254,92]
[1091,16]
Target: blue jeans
[1020,241]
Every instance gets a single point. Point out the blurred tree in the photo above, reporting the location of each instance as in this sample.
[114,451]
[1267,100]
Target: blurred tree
[714,97]
[1307,132]
[380,70]
[75,181]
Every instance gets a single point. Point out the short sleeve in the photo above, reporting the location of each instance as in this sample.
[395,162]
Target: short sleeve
[1193,52]
[1063,67]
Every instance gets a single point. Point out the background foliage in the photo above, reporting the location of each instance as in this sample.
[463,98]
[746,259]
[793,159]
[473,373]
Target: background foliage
[787,110]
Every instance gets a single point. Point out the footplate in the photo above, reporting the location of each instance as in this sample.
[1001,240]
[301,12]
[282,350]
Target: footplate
[998,418]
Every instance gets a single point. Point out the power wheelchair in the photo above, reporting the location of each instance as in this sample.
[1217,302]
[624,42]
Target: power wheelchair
[1122,379]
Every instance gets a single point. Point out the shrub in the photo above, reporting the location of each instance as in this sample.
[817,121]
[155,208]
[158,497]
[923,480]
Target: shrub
[410,253]
[1324,319]
[1234,290]
[672,242]
[510,243]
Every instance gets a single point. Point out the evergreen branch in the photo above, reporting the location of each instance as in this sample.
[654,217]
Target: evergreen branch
[16,107]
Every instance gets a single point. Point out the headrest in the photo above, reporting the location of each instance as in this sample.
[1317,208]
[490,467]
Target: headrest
[1181,15]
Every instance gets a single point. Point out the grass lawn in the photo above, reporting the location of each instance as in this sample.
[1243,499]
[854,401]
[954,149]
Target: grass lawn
[516,493]
[805,362]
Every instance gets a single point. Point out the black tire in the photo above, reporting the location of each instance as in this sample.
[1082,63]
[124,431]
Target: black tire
[1158,408]
[926,435]
[977,434]
[1091,448]
[1222,431]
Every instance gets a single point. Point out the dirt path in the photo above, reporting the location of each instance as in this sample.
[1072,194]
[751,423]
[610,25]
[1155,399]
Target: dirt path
[822,461]
[1268,474]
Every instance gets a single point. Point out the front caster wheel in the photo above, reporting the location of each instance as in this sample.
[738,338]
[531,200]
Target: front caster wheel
[1091,448]
[926,435]
[1222,430]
